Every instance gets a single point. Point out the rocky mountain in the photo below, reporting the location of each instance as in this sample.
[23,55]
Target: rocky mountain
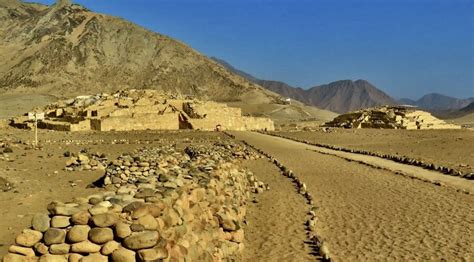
[347,95]
[437,102]
[468,109]
[340,96]
[67,50]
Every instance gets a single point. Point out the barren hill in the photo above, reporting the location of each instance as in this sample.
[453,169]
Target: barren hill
[339,96]
[347,95]
[439,102]
[468,109]
[67,50]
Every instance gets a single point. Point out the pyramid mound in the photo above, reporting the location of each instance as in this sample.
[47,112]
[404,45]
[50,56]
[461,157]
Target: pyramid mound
[390,117]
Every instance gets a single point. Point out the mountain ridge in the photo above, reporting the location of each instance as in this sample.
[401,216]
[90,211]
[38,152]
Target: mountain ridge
[438,102]
[67,50]
[339,96]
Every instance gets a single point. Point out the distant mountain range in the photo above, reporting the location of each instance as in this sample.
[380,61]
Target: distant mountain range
[438,102]
[340,96]
[347,95]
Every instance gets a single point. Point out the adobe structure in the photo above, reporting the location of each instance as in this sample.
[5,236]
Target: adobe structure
[390,117]
[142,110]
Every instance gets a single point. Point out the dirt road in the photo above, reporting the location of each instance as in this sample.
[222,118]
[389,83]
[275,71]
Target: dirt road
[370,214]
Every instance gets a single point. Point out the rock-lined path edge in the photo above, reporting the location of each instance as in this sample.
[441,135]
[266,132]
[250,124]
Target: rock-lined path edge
[370,214]
[435,177]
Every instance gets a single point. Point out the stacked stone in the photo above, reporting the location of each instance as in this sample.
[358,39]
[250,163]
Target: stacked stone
[188,208]
[86,162]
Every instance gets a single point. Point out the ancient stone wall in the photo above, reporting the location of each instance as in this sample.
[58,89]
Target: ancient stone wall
[141,110]
[141,122]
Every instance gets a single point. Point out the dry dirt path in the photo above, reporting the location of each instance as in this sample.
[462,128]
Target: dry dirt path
[369,214]
[276,230]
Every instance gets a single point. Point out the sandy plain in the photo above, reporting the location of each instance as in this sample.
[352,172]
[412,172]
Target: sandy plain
[451,148]
[365,214]
[368,214]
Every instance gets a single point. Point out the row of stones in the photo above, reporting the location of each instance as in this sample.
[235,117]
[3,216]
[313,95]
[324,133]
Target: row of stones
[199,219]
[400,159]
[84,161]
[313,237]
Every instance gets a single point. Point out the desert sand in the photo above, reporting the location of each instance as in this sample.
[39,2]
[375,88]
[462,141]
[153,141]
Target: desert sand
[364,213]
[452,148]
[368,214]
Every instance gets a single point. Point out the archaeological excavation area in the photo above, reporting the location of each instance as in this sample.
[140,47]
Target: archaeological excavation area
[211,196]
[142,110]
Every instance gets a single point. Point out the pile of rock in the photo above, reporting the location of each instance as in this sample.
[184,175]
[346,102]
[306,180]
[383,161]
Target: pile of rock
[161,204]
[83,161]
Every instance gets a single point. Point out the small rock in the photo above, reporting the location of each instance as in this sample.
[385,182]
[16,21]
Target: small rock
[60,221]
[101,235]
[78,233]
[122,230]
[153,254]
[74,257]
[105,220]
[81,218]
[109,247]
[94,258]
[85,247]
[53,258]
[25,251]
[148,222]
[28,238]
[59,249]
[54,236]
[40,222]
[123,255]
[41,248]
[141,240]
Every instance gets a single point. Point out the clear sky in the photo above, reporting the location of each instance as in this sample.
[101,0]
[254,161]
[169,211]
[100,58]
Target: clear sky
[405,47]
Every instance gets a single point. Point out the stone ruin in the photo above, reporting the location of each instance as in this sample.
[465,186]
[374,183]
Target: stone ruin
[158,204]
[142,110]
[390,117]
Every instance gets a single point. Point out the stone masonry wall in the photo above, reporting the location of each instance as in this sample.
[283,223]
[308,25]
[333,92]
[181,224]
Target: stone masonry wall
[142,122]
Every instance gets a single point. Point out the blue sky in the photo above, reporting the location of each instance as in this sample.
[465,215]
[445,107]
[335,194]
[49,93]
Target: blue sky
[405,47]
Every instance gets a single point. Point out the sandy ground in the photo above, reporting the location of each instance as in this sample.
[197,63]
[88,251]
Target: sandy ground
[435,177]
[39,177]
[275,230]
[451,148]
[368,214]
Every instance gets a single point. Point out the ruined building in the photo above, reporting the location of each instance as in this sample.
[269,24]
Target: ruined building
[390,117]
[142,110]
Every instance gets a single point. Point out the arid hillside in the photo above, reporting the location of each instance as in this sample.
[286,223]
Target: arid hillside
[66,50]
[338,96]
